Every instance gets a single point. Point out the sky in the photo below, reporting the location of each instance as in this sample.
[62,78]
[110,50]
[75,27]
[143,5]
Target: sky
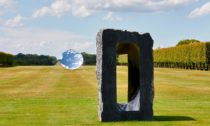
[51,27]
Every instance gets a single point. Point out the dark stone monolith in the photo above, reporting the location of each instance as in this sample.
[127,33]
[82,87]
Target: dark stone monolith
[109,44]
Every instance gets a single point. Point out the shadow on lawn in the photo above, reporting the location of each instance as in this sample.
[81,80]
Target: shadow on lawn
[173,118]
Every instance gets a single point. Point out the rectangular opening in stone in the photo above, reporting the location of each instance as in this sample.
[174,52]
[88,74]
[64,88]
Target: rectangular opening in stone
[122,78]
[129,52]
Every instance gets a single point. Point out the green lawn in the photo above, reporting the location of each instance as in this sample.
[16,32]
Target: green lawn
[53,96]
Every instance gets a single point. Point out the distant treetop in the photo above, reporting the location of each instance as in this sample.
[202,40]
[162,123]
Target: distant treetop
[187,41]
[89,59]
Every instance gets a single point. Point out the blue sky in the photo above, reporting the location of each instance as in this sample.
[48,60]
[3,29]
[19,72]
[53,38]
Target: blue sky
[53,26]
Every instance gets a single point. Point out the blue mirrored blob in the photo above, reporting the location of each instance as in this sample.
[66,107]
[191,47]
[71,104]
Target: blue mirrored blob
[71,59]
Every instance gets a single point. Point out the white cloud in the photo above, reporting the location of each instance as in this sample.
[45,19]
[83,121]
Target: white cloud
[17,21]
[42,41]
[84,8]
[146,5]
[110,17]
[1,21]
[198,12]
[41,12]
[81,12]
[6,5]
[57,8]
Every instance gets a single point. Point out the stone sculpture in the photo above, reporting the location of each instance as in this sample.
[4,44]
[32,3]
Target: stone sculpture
[140,75]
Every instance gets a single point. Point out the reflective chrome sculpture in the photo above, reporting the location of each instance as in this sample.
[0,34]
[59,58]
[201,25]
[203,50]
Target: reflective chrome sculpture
[71,59]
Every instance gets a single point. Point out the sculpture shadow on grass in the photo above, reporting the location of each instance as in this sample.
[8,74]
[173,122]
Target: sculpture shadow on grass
[173,118]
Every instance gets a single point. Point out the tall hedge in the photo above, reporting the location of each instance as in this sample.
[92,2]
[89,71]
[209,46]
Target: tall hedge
[190,56]
[208,52]
[187,56]
[187,41]
[6,59]
[122,59]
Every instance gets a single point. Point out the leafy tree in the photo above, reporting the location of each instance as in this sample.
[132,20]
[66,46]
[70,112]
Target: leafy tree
[6,59]
[89,59]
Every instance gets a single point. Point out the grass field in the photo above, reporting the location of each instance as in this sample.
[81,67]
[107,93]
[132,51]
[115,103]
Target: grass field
[53,96]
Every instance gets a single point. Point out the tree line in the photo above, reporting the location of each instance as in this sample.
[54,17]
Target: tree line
[34,59]
[26,59]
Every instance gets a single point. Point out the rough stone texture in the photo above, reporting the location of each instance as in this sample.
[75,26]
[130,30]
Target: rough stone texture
[140,75]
